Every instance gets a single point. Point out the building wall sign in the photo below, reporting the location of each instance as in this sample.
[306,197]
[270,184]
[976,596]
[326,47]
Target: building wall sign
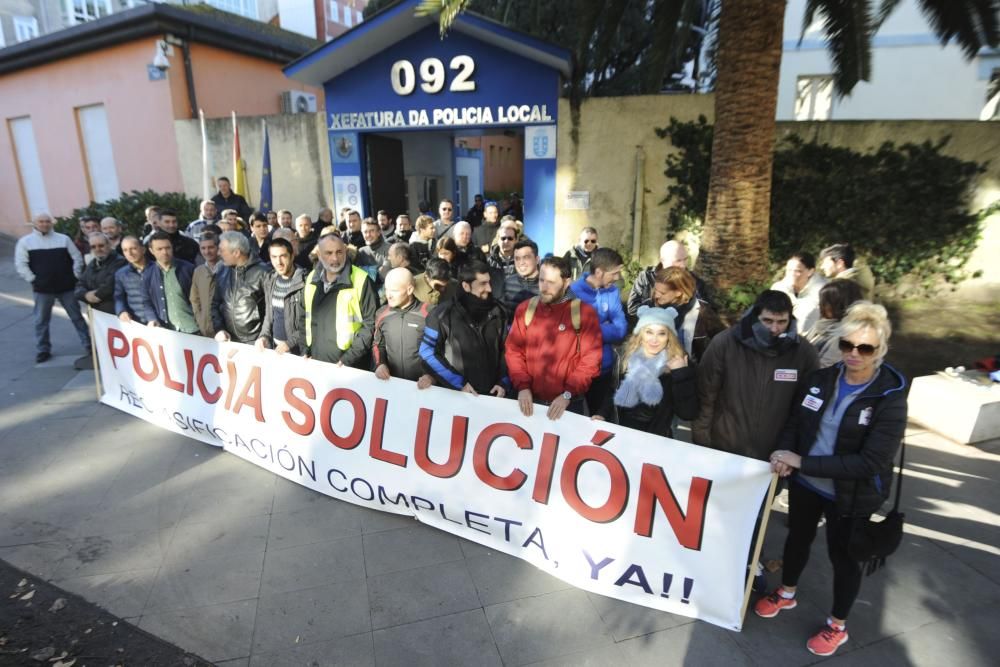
[426,82]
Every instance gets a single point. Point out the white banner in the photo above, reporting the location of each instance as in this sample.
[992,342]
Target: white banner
[656,522]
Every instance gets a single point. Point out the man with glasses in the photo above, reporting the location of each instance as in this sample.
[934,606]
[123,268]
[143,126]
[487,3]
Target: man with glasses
[579,256]
[523,283]
[501,257]
[97,282]
[50,263]
[445,221]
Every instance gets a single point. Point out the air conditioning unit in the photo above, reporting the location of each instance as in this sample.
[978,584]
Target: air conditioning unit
[295,101]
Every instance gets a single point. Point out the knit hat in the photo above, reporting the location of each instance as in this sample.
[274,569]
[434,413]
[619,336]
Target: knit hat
[654,315]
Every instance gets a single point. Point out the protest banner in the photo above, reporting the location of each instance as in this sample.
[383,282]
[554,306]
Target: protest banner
[641,518]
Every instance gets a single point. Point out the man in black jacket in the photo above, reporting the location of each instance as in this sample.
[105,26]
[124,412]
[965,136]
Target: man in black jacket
[284,302]
[399,326]
[238,302]
[97,282]
[184,247]
[463,341]
[226,198]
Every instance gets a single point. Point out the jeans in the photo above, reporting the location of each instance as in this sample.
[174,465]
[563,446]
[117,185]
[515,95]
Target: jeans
[805,507]
[43,314]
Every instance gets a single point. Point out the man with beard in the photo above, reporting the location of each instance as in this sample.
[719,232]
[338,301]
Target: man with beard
[463,342]
[554,345]
[114,230]
[399,327]
[341,302]
[484,234]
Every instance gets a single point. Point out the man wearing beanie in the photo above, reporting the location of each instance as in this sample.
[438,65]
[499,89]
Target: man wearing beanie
[462,345]
[554,345]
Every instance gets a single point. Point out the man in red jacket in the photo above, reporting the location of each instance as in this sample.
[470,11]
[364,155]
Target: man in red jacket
[553,349]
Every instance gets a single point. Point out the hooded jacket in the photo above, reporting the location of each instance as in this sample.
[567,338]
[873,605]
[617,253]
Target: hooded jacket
[238,302]
[746,391]
[294,311]
[607,301]
[870,432]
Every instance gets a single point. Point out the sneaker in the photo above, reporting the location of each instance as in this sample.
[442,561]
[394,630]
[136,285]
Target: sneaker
[759,583]
[42,357]
[826,641]
[768,607]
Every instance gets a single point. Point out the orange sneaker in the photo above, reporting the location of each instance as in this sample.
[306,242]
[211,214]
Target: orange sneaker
[770,605]
[827,641]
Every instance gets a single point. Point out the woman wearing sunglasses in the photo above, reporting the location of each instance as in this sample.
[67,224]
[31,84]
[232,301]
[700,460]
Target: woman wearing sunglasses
[838,447]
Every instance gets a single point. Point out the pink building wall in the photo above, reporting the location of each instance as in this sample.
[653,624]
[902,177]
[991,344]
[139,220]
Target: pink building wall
[140,120]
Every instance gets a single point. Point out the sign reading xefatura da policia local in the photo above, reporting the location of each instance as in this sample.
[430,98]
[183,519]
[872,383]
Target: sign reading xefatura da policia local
[394,73]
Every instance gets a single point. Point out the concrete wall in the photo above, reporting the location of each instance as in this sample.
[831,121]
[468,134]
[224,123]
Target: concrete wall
[300,158]
[614,131]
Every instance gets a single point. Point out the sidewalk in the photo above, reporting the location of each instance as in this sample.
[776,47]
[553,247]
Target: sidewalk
[241,567]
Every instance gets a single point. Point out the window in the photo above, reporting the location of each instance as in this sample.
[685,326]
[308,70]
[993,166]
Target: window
[348,15]
[2,42]
[814,97]
[96,140]
[29,166]
[246,8]
[81,11]
[334,12]
[25,28]
[358,17]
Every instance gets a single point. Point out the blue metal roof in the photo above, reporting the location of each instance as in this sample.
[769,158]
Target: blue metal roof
[397,22]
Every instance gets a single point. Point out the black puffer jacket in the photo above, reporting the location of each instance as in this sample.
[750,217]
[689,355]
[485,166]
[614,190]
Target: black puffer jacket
[238,303]
[99,276]
[870,433]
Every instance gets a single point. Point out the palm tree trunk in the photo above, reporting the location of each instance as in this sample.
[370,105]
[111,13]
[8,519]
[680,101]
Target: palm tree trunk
[734,247]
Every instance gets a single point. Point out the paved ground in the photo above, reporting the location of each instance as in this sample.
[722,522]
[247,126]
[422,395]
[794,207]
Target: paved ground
[243,568]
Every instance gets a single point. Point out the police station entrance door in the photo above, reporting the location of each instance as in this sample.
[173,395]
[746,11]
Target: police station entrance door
[386,178]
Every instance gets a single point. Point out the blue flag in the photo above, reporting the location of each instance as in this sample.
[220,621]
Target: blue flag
[265,177]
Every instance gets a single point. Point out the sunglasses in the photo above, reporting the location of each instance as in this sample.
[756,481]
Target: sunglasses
[865,350]
[506,238]
[589,242]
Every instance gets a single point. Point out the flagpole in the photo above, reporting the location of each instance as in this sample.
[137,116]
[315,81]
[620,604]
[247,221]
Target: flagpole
[206,177]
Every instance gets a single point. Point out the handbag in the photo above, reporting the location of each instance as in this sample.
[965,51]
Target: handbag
[871,542]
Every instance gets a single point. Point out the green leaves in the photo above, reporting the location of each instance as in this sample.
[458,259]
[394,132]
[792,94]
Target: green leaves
[905,208]
[130,208]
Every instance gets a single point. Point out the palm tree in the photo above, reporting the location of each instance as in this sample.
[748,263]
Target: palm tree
[735,245]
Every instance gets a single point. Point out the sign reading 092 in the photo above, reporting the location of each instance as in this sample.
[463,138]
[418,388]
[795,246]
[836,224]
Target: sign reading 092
[432,75]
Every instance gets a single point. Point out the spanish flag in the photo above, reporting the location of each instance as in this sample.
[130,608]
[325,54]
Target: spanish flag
[239,166]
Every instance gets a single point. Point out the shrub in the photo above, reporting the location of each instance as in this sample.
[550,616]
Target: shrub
[130,208]
[904,208]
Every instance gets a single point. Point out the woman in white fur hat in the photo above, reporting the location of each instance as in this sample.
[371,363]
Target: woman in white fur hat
[652,380]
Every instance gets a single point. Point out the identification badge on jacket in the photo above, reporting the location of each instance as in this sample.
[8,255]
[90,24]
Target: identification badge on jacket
[865,418]
[812,403]
[786,375]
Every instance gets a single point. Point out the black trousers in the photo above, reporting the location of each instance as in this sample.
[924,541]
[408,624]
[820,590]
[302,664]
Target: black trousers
[805,508]
[598,391]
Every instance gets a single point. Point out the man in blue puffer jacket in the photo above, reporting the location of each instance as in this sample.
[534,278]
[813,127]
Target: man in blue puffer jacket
[597,288]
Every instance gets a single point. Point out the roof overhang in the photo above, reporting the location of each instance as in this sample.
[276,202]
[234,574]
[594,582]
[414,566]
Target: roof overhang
[147,21]
[398,22]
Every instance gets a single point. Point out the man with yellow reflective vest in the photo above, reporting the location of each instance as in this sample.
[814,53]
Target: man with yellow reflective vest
[341,301]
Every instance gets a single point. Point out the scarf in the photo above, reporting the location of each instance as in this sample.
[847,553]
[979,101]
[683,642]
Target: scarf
[477,308]
[642,381]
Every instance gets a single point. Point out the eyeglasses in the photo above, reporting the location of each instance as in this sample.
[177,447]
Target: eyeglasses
[506,238]
[865,350]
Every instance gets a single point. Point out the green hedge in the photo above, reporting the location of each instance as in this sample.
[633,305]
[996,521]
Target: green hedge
[905,208]
[130,208]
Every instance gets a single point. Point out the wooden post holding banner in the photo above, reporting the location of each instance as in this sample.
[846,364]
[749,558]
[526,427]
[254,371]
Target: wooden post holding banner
[93,352]
[758,545]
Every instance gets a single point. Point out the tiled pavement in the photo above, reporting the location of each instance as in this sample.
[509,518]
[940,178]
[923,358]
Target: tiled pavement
[244,568]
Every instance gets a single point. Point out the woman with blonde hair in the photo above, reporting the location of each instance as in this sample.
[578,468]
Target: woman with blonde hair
[838,448]
[652,381]
[696,322]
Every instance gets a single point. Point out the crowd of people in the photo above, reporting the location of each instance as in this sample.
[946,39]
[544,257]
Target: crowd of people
[470,305]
